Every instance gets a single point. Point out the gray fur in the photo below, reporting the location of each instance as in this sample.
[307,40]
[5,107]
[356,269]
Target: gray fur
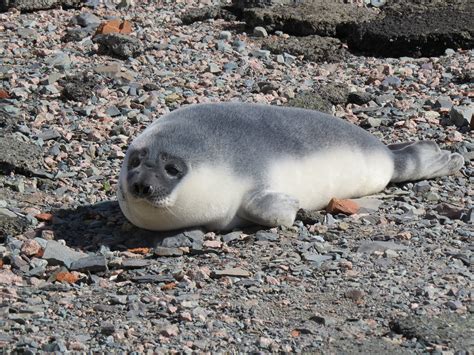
[423,160]
[237,131]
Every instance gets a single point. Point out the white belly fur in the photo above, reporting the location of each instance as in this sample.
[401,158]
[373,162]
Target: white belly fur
[208,196]
[211,196]
[316,179]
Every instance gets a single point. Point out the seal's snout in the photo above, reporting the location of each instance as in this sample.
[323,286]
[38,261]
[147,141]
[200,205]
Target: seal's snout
[142,190]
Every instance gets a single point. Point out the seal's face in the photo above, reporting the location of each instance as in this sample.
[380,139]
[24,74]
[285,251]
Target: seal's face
[153,177]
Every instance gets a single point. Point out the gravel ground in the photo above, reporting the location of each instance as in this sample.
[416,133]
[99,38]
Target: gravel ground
[75,276]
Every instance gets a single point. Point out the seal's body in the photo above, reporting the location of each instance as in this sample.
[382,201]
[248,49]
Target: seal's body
[226,165]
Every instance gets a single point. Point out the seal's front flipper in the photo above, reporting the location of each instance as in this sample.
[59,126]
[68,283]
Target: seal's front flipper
[269,208]
[423,160]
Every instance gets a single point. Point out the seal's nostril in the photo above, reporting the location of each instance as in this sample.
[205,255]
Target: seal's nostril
[136,189]
[146,190]
[142,190]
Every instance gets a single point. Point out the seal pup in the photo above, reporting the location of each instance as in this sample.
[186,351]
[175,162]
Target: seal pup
[226,165]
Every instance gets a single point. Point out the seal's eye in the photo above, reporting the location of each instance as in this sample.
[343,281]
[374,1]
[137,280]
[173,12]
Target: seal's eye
[172,170]
[134,162]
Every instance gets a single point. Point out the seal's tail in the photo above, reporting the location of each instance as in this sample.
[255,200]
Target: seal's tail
[423,160]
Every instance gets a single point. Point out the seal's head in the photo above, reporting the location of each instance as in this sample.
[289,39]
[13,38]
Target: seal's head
[153,176]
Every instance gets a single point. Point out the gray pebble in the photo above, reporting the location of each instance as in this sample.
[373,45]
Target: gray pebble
[60,60]
[90,263]
[214,68]
[113,111]
[461,115]
[261,53]
[266,236]
[58,254]
[225,35]
[260,32]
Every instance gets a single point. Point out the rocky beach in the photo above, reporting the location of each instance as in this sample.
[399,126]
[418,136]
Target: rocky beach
[383,274]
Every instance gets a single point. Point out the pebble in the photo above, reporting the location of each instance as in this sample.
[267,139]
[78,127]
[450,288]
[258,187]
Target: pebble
[379,246]
[214,68]
[316,259]
[432,196]
[260,32]
[422,186]
[90,263]
[162,251]
[86,19]
[30,247]
[359,97]
[239,46]
[461,115]
[58,254]
[392,81]
[263,236]
[443,102]
[261,53]
[233,272]
[113,111]
[225,35]
[230,237]
[59,60]
[119,45]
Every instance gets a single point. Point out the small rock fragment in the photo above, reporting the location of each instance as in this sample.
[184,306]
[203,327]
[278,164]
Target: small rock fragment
[119,45]
[114,26]
[227,238]
[233,272]
[225,35]
[342,206]
[163,251]
[380,246]
[449,211]
[355,295]
[57,254]
[67,277]
[30,247]
[461,115]
[359,97]
[260,32]
[264,236]
[91,263]
[214,68]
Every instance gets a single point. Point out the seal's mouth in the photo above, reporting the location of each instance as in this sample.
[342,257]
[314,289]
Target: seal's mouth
[160,202]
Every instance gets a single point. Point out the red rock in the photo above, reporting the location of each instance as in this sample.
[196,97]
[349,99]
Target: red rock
[295,333]
[4,94]
[44,217]
[114,26]
[142,251]
[342,206]
[168,286]
[31,247]
[67,277]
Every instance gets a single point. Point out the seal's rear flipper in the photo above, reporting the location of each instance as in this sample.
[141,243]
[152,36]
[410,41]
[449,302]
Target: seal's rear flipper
[423,160]
[269,208]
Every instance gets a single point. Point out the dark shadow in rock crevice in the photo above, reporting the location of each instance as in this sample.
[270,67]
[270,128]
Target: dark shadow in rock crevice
[421,34]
